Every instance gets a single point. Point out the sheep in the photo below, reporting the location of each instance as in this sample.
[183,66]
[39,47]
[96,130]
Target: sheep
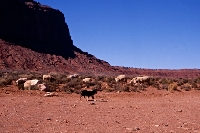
[141,79]
[86,79]
[46,77]
[88,93]
[49,78]
[73,76]
[30,83]
[120,77]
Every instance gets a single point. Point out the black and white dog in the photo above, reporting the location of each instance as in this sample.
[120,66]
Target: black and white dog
[88,93]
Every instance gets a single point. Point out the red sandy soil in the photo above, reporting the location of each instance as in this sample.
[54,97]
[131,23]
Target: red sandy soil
[151,111]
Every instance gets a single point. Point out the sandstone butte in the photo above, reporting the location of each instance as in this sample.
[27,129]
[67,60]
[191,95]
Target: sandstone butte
[35,37]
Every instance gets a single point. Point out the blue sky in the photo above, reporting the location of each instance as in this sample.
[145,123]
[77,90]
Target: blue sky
[156,34]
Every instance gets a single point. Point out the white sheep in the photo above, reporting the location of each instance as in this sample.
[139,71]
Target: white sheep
[140,79]
[86,79]
[120,77]
[46,77]
[30,83]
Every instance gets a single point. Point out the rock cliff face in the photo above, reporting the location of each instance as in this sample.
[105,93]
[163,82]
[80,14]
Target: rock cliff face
[35,37]
[35,26]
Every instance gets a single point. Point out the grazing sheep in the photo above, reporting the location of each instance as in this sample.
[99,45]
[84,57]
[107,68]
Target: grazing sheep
[86,79]
[46,77]
[73,76]
[120,77]
[30,83]
[88,93]
[141,79]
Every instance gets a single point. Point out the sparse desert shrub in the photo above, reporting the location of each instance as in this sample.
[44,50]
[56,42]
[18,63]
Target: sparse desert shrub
[109,80]
[5,82]
[100,78]
[198,88]
[98,86]
[194,85]
[155,85]
[182,81]
[116,87]
[145,85]
[136,88]
[74,82]
[2,82]
[126,89]
[111,85]
[186,87]
[91,83]
[172,87]
[164,86]
[109,89]
[67,89]
[156,78]
[152,81]
[164,81]
[142,87]
[197,80]
[52,87]
[62,79]
[74,85]
[122,88]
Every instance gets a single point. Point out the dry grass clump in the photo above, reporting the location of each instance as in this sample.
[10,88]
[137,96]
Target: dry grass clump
[172,87]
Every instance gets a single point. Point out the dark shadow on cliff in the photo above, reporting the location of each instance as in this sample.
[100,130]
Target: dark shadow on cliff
[31,25]
[46,48]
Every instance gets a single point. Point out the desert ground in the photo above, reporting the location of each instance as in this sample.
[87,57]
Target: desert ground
[150,111]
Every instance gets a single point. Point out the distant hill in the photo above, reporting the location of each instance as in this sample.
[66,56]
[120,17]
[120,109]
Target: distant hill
[34,37]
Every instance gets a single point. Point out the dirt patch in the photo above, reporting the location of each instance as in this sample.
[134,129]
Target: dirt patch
[149,111]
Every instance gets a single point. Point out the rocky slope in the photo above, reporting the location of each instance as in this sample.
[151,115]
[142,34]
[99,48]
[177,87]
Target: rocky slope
[34,37]
[15,57]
